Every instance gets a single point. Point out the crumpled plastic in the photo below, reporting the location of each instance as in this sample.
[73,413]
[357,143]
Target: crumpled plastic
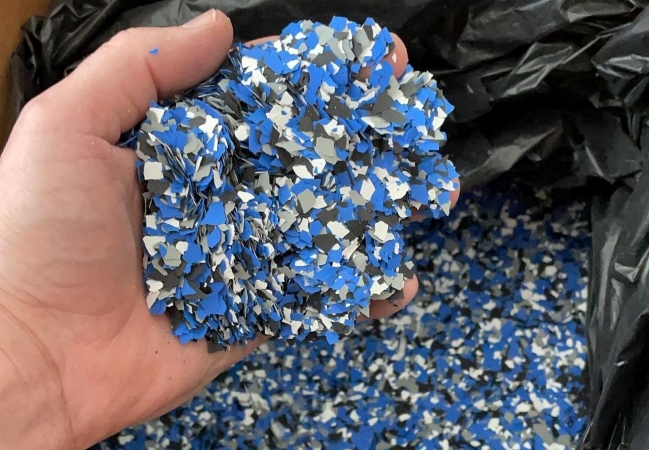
[552,92]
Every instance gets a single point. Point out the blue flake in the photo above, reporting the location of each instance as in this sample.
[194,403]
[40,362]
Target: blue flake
[158,307]
[215,215]
[214,304]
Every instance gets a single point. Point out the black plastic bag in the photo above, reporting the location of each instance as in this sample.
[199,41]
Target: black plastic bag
[553,92]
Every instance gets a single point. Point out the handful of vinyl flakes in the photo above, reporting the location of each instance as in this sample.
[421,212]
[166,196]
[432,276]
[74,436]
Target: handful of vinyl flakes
[276,189]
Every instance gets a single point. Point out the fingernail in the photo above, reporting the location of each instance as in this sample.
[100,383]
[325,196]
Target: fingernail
[206,18]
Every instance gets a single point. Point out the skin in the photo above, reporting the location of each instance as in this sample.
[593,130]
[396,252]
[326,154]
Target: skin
[81,357]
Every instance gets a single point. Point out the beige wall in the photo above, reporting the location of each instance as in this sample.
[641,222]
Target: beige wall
[13,13]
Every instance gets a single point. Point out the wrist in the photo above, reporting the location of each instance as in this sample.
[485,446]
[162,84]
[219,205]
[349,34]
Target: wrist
[34,412]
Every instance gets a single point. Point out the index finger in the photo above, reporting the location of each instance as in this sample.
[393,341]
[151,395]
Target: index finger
[112,89]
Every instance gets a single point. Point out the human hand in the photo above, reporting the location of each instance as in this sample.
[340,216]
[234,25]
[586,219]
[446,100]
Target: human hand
[81,357]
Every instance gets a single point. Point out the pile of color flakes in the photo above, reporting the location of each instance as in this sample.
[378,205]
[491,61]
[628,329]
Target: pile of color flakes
[489,355]
[277,190]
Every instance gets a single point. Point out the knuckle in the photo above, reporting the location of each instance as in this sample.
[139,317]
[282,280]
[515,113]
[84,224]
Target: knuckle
[124,37]
[125,40]
[36,113]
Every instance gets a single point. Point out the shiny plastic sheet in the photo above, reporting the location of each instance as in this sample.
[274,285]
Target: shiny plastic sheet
[553,92]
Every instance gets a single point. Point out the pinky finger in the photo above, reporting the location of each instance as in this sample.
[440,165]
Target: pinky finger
[380,309]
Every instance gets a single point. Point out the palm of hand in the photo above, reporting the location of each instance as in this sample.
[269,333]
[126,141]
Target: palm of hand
[77,274]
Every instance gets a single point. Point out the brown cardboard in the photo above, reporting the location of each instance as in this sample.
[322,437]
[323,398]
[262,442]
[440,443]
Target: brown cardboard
[13,13]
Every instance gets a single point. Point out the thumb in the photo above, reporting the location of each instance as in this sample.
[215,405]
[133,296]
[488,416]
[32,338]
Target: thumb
[112,89]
